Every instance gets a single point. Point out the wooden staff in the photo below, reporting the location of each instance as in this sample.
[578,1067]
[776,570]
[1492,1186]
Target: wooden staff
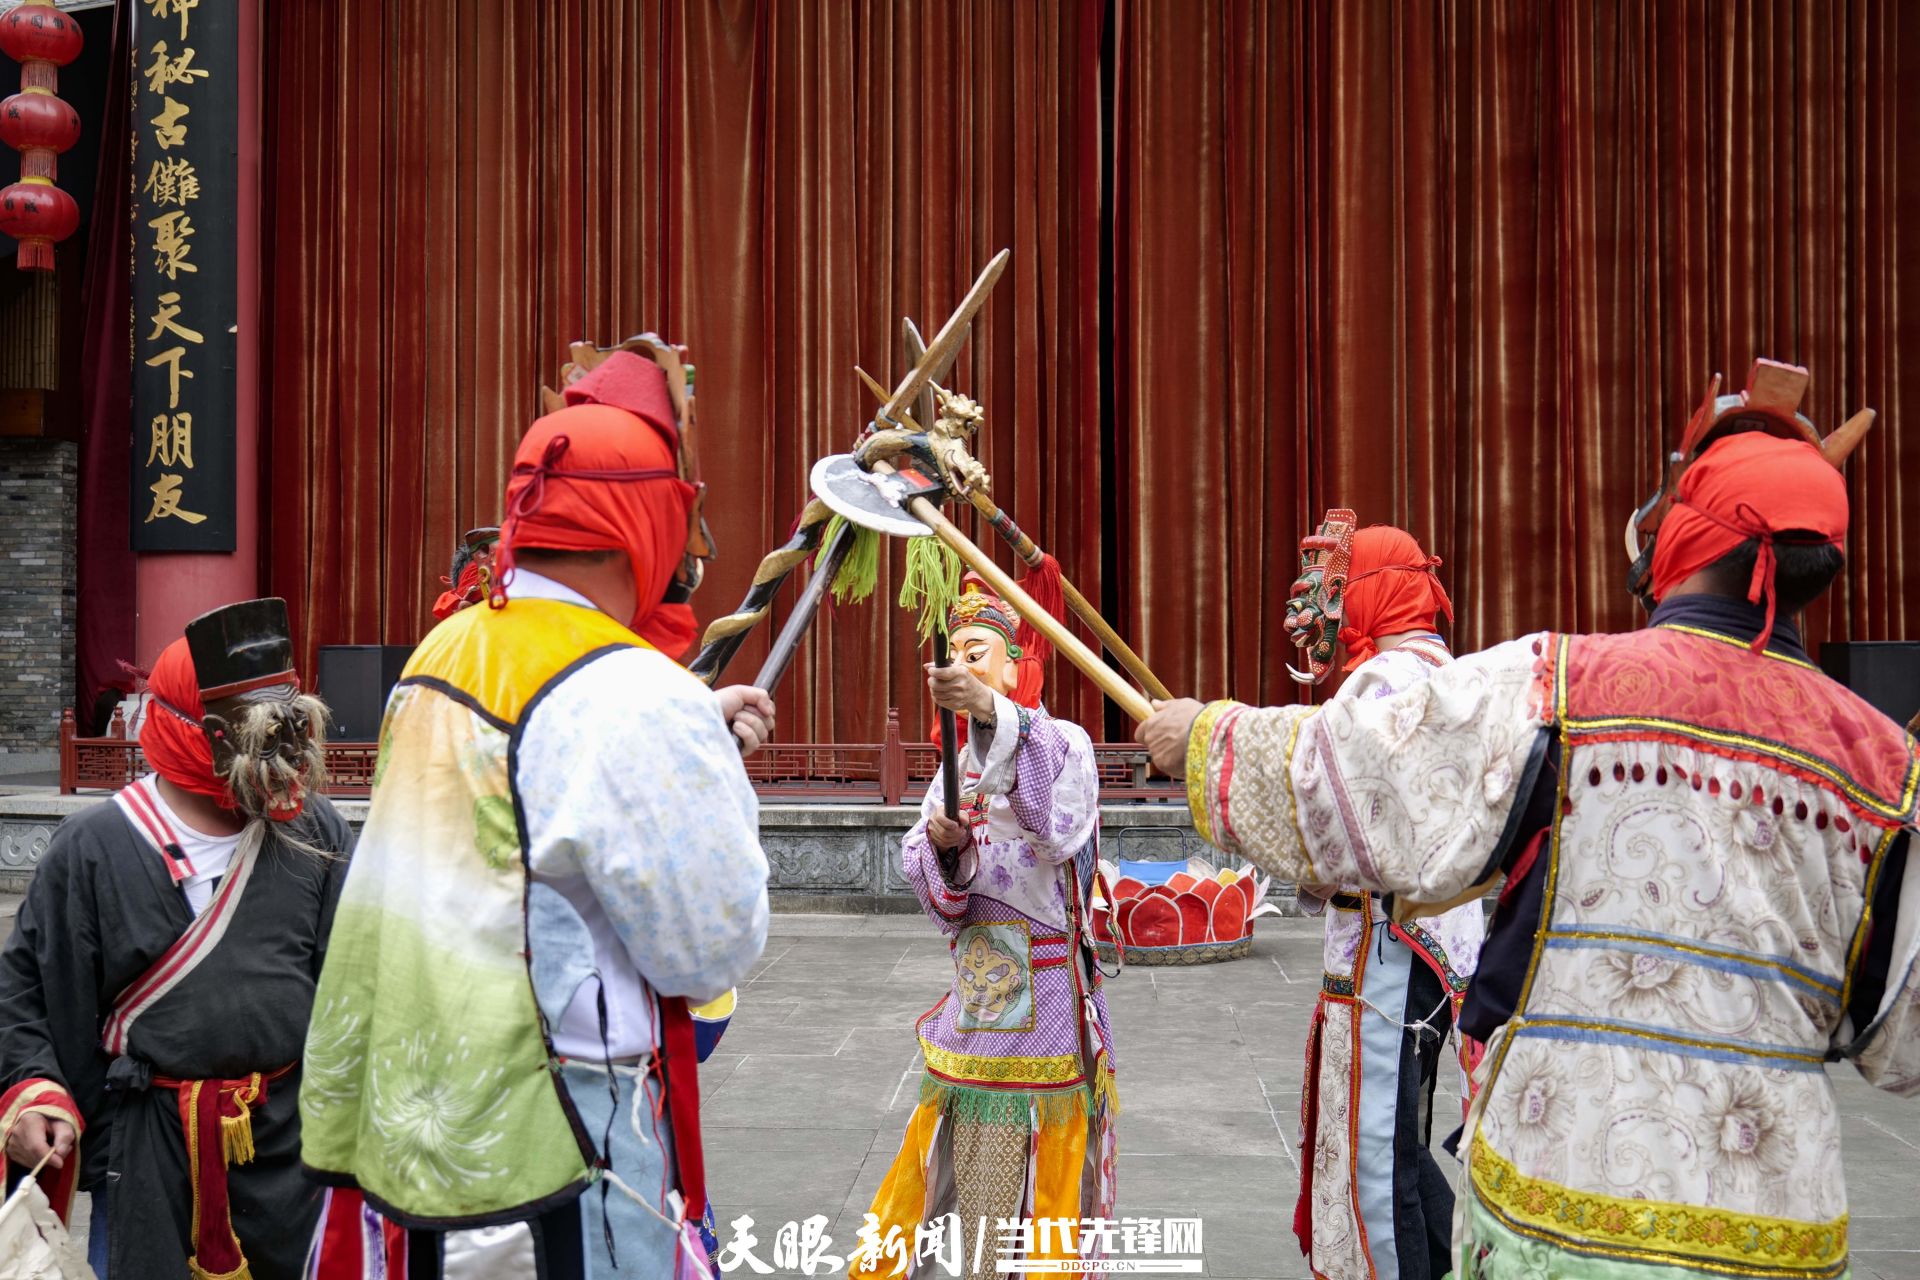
[1024,547]
[825,567]
[1130,699]
[949,736]
[724,635]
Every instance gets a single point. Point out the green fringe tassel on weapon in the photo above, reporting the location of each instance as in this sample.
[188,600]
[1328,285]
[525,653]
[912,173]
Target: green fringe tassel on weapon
[932,583]
[860,571]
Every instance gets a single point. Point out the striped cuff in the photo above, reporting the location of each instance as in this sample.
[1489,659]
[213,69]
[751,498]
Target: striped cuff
[1203,791]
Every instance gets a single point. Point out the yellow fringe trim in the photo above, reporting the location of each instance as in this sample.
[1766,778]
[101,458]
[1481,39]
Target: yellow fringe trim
[236,1137]
[990,1069]
[1106,1091]
[198,1272]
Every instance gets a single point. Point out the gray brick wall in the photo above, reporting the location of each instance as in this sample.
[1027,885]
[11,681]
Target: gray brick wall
[39,492]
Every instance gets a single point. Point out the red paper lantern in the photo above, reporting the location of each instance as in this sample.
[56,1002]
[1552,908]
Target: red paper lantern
[39,126]
[38,32]
[37,215]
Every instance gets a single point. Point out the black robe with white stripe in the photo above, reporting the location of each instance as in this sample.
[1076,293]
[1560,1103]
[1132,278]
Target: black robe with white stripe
[101,909]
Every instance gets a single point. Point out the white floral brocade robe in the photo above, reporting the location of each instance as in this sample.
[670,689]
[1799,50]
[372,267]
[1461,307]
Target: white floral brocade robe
[1716,906]
[1363,1198]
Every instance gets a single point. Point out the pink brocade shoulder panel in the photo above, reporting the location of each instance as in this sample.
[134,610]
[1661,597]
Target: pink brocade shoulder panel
[1671,679]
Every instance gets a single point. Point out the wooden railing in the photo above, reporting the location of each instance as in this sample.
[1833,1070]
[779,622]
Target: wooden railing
[110,763]
[892,771]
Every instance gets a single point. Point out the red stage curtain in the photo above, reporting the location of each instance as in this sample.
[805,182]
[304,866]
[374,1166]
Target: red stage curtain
[1464,265]
[462,188]
[1467,267]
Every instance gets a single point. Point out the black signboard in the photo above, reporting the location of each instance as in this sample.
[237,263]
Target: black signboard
[186,114]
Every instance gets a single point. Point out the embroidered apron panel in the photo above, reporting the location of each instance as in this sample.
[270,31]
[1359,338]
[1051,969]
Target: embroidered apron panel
[993,977]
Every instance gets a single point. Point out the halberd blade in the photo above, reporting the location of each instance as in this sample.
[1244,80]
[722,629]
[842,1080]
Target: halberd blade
[872,501]
[939,354]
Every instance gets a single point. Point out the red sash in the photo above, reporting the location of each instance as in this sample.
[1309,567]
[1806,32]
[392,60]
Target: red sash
[680,1062]
[216,1119]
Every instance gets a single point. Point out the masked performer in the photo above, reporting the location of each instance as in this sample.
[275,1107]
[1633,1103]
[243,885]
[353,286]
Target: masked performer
[1017,1106]
[1372,1200]
[562,851]
[154,995]
[470,579]
[1705,842]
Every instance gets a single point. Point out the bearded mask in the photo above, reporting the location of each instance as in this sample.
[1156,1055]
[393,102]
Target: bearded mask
[1316,604]
[267,736]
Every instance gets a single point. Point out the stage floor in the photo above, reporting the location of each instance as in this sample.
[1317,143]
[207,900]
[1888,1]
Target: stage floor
[808,1094]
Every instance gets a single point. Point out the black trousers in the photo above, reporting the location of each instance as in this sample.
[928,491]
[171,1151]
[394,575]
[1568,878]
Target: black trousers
[1423,1199]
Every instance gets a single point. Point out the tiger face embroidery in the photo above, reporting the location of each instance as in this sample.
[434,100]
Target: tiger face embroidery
[992,978]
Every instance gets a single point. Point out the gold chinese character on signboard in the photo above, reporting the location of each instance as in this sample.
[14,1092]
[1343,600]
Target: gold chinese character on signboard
[172,181]
[170,247]
[166,501]
[164,71]
[163,320]
[172,443]
[162,7]
[167,129]
[171,358]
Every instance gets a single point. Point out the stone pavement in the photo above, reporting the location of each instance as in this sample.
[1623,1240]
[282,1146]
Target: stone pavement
[808,1095]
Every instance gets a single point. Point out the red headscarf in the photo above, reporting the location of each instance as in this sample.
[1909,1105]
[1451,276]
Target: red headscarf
[1751,485]
[601,475]
[171,737]
[1391,588]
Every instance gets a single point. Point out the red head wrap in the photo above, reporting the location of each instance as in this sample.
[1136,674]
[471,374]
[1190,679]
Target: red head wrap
[171,738]
[596,477]
[1391,588]
[1751,485]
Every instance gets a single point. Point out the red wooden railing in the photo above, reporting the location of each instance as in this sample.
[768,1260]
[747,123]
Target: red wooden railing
[892,771]
[109,763]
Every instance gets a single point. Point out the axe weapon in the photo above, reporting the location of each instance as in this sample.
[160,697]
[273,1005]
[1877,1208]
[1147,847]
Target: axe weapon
[724,635]
[1029,553]
[826,566]
[899,501]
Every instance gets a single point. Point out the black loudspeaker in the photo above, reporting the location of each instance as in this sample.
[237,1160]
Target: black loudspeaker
[355,680]
[1886,673]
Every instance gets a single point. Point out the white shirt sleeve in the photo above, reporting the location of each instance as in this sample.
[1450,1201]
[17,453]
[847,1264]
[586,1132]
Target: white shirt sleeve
[630,781]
